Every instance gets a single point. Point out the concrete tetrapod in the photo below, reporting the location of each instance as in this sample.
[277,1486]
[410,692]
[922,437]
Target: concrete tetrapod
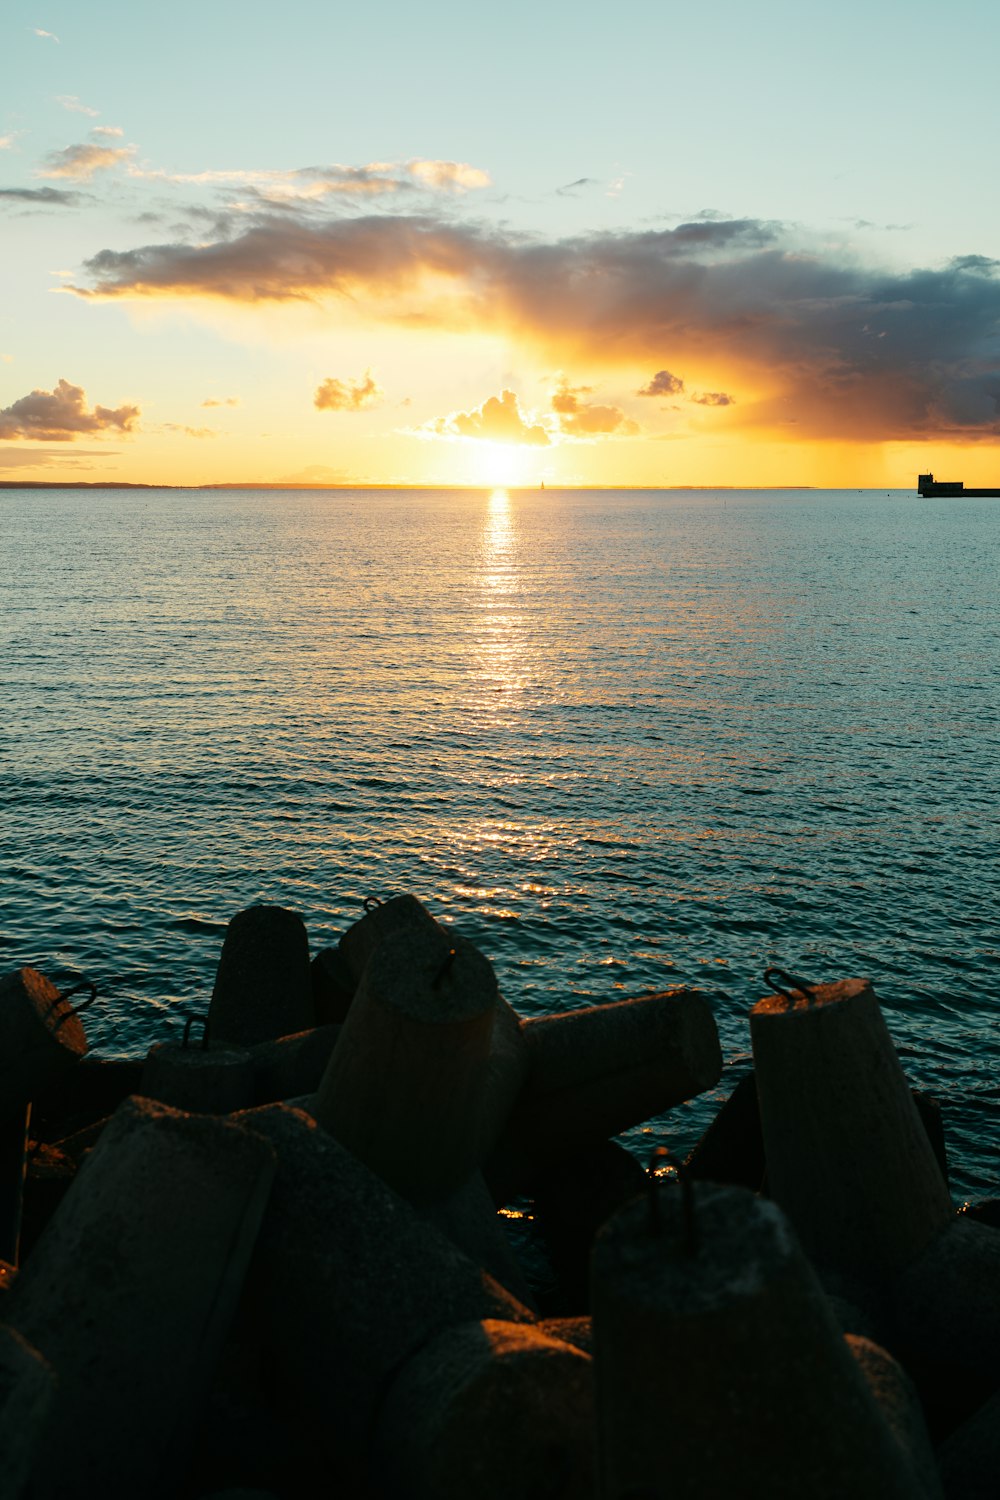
[947,1302]
[412,1087]
[212,1081]
[399,914]
[130,1291]
[41,1037]
[263,988]
[848,1158]
[352,1279]
[27,1388]
[720,1369]
[292,1065]
[490,1410]
[595,1072]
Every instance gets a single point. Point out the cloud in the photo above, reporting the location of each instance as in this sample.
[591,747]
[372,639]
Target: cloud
[713,398]
[76,106]
[6,142]
[303,186]
[222,401]
[498,420]
[57,416]
[662,384]
[49,35]
[107,132]
[194,432]
[82,161]
[570,189]
[586,419]
[838,347]
[348,395]
[60,196]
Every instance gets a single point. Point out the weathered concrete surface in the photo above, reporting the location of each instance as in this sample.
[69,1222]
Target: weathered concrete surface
[291,1065]
[490,1410]
[732,1148]
[407,1088]
[969,1460]
[847,1155]
[947,1302]
[351,1279]
[899,1404]
[571,1202]
[212,1081]
[27,1390]
[13,1165]
[720,1368]
[130,1291]
[400,914]
[595,1072]
[333,986]
[469,1218]
[262,988]
[41,1037]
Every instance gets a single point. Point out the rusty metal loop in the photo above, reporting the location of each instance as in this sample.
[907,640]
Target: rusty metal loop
[195,1020]
[662,1157]
[805,987]
[372,903]
[81,984]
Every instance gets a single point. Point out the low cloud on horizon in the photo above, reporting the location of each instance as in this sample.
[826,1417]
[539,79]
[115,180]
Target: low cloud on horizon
[60,415]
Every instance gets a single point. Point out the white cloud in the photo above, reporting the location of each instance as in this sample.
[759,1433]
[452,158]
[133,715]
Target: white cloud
[498,420]
[76,106]
[49,35]
[348,395]
[81,162]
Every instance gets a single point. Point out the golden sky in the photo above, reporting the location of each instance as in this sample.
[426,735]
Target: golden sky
[193,304]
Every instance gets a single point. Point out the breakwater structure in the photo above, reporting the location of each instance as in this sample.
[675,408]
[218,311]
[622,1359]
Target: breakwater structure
[928,487]
[271,1251]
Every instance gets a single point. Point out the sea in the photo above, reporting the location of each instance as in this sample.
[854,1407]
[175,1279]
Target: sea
[623,740]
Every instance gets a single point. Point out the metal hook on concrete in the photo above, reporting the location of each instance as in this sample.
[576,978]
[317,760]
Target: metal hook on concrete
[193,1020]
[74,1010]
[662,1157]
[788,983]
[81,984]
[449,959]
[372,903]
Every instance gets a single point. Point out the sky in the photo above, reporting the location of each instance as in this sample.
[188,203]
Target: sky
[656,244]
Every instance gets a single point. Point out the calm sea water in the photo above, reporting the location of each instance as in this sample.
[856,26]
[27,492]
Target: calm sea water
[624,740]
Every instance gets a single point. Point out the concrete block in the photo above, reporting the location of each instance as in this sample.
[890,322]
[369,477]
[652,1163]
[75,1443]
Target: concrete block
[27,1390]
[41,1037]
[291,1065]
[969,1459]
[595,1072]
[732,1148]
[130,1291]
[333,986]
[400,914]
[490,1410]
[899,1404]
[720,1368]
[469,1218]
[205,1080]
[262,988]
[847,1155]
[351,1279]
[947,1302]
[407,1086]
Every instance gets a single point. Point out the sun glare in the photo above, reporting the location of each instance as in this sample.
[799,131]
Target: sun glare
[497,464]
